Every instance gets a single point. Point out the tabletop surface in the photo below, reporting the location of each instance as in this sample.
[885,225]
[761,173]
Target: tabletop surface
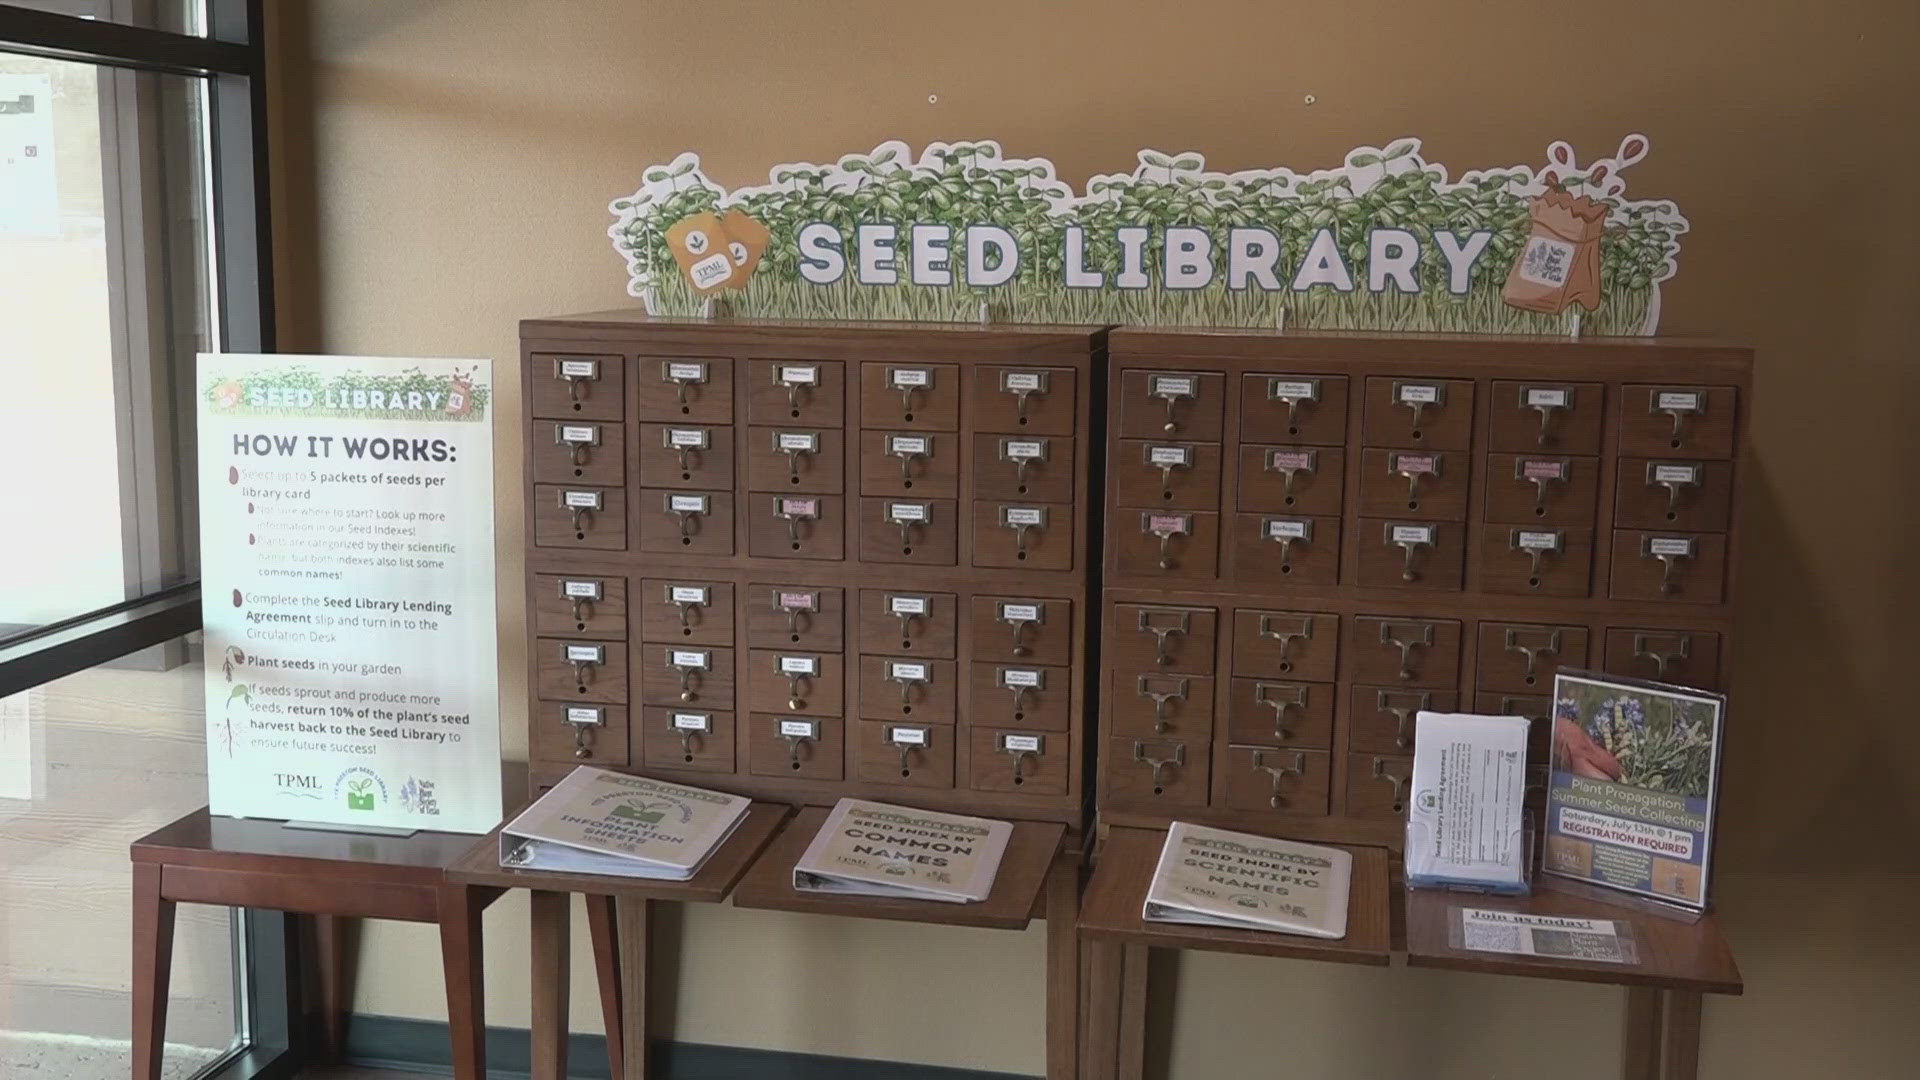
[254,844]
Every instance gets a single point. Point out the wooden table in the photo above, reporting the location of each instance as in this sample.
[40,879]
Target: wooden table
[1039,877]
[237,862]
[619,911]
[1677,961]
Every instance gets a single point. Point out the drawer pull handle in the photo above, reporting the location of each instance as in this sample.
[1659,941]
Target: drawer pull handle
[796,393]
[1143,685]
[1165,638]
[906,753]
[1022,519]
[1679,651]
[579,451]
[1549,411]
[1419,411]
[906,400]
[908,684]
[1413,468]
[687,748]
[1020,636]
[1547,640]
[909,451]
[1020,693]
[1542,473]
[1419,637]
[1021,755]
[797,457]
[1286,638]
[796,685]
[582,518]
[906,624]
[794,745]
[1679,479]
[583,671]
[1672,552]
[689,683]
[1159,764]
[1281,697]
[582,608]
[689,612]
[1403,713]
[1279,773]
[1291,463]
[1411,540]
[1399,783]
[583,734]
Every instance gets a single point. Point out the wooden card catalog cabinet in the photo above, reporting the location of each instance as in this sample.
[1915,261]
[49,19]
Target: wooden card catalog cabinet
[801,562]
[1310,539]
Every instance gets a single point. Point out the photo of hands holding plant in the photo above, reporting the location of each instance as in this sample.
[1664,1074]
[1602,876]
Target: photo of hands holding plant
[1643,738]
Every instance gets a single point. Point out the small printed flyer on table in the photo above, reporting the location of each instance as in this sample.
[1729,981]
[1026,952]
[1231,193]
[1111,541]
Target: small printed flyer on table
[347,576]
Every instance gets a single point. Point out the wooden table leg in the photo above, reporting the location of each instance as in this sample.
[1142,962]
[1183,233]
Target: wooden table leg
[1640,1053]
[460,957]
[1133,1013]
[550,978]
[152,970]
[1680,1036]
[333,942]
[1063,969]
[633,917]
[606,965]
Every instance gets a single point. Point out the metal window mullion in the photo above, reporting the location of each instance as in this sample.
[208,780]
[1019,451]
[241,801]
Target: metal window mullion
[94,41]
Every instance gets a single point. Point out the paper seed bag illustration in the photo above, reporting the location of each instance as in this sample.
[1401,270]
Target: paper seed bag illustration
[1560,262]
[747,239]
[699,245]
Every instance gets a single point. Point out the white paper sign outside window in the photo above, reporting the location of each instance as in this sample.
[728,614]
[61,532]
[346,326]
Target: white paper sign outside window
[346,541]
[29,192]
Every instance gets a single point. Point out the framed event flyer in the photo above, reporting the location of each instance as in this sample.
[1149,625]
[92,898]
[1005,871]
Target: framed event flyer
[1633,785]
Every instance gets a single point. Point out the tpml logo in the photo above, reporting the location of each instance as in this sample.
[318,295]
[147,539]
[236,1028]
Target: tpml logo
[362,789]
[298,785]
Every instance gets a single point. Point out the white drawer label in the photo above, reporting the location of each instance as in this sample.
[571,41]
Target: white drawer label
[579,369]
[1289,529]
[902,671]
[1416,464]
[901,378]
[1032,678]
[787,600]
[586,654]
[1418,393]
[1291,460]
[908,605]
[1691,401]
[1293,389]
[799,508]
[1542,469]
[1676,474]
[1527,540]
[1023,744]
[1023,382]
[799,665]
[685,371]
[799,729]
[687,594]
[693,721]
[697,659]
[580,590]
[908,511]
[1023,449]
[585,716]
[798,441]
[1680,546]
[687,504]
[686,438]
[1548,397]
[1023,515]
[799,375]
[907,736]
[580,435]
[1180,456]
[904,445]
[580,500]
[1168,524]
[1411,534]
[1020,613]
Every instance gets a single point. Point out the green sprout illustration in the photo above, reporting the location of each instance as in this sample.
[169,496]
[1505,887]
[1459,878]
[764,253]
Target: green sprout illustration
[243,695]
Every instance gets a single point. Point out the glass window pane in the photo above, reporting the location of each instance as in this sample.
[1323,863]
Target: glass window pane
[88,764]
[103,303]
[176,16]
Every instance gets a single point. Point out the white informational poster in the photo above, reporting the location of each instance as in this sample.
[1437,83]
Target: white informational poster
[347,575]
[29,195]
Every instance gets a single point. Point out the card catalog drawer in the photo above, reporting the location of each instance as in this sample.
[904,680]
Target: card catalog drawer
[796,747]
[1380,719]
[796,459]
[1159,774]
[1019,759]
[797,392]
[582,671]
[686,456]
[1299,645]
[913,464]
[1669,493]
[1023,535]
[1398,553]
[916,688]
[578,451]
[1037,467]
[914,755]
[1171,404]
[1525,560]
[1687,567]
[1687,421]
[1377,785]
[1546,416]
[1419,414]
[1274,712]
[1160,703]
[1022,629]
[687,610]
[1286,549]
[580,517]
[1151,637]
[576,386]
[781,526]
[1405,651]
[696,675]
[1425,484]
[1027,400]
[908,621]
[673,389]
[1277,780]
[1292,479]
[1541,489]
[580,605]
[1170,544]
[1021,695]
[1536,708]
[686,522]
[795,681]
[1309,409]
[808,617]
[921,532]
[923,397]
[1167,474]
[566,733]
[684,738]
[1687,657]
[1520,658]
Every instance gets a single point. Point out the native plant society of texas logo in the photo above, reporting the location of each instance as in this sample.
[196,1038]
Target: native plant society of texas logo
[361,787]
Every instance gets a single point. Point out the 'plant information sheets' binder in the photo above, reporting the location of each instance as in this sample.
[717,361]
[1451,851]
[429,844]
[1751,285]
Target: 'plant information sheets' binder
[601,822]
[1212,877]
[875,849]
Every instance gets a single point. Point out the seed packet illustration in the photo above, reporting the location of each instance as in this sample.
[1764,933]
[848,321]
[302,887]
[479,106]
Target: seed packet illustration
[699,245]
[1559,264]
[747,240]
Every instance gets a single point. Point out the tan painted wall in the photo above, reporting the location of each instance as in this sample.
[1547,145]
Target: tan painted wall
[448,168]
